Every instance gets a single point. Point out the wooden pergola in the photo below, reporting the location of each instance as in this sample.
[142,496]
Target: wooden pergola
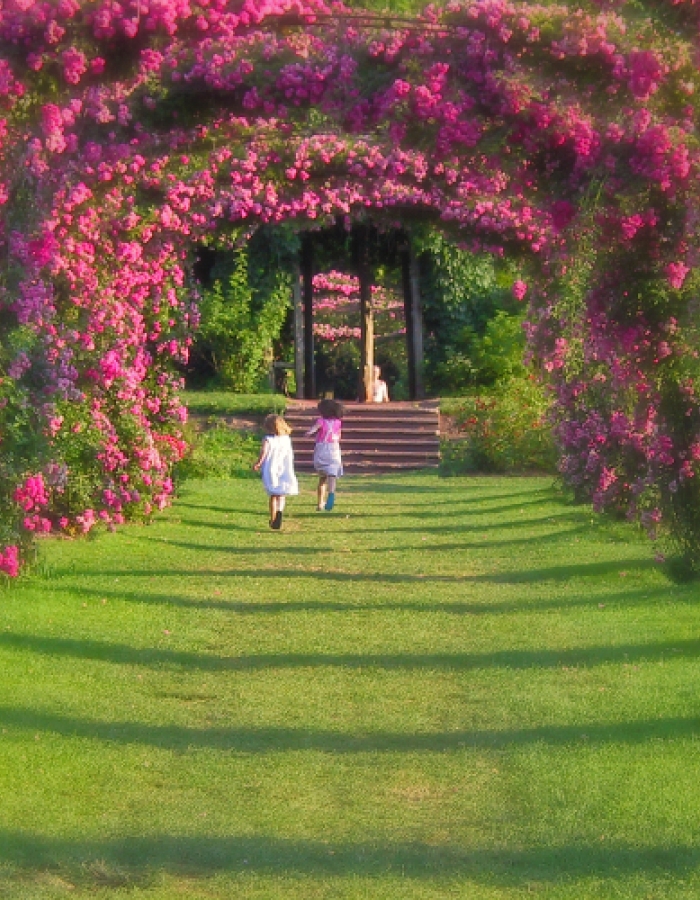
[304,357]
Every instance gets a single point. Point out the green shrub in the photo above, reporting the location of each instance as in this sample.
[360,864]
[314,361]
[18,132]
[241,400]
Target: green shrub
[484,359]
[472,321]
[502,430]
[244,309]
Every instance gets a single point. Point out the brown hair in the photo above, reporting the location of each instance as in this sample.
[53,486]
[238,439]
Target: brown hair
[330,409]
[276,425]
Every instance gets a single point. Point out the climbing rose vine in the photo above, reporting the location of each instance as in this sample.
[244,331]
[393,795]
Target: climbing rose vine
[337,308]
[131,130]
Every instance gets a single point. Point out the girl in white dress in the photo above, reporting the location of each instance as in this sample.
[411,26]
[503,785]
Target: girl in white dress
[380,392]
[276,463]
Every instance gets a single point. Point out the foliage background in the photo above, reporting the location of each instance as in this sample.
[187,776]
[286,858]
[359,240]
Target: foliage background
[245,303]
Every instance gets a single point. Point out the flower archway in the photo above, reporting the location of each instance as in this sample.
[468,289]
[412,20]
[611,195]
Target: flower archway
[132,129]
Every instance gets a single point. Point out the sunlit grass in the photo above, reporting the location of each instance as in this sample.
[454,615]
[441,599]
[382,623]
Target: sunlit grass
[227,403]
[445,688]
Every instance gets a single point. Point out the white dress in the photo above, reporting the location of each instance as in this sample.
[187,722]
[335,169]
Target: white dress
[380,392]
[277,469]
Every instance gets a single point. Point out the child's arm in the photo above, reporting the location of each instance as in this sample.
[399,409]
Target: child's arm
[314,428]
[264,450]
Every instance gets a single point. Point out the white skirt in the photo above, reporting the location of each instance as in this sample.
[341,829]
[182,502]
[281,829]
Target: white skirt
[277,470]
[327,460]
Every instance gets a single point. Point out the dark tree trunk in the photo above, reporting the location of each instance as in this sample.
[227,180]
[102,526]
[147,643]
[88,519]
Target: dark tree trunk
[414,322]
[307,274]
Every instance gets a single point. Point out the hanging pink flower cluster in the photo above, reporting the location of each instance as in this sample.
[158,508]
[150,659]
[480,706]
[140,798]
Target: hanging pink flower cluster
[131,131]
[337,303]
[9,561]
[32,498]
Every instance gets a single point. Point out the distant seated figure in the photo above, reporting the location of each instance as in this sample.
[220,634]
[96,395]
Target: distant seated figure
[380,392]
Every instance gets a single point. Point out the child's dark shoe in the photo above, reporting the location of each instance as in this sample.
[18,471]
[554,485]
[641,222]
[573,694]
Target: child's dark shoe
[276,523]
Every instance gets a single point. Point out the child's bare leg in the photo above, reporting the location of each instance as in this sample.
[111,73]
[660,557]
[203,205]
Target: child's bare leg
[321,491]
[330,502]
[276,507]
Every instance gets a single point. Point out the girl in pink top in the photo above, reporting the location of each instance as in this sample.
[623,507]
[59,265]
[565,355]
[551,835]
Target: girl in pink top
[327,459]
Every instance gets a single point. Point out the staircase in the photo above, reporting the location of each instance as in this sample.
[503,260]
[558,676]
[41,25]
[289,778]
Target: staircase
[386,437]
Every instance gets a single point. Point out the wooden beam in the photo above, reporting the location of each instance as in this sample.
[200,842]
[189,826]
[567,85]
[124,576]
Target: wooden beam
[298,333]
[414,322]
[307,275]
[365,276]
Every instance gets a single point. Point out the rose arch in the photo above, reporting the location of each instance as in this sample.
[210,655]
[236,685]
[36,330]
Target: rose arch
[132,130]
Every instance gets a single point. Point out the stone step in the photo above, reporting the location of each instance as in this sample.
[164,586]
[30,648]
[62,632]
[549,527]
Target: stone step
[365,426]
[350,457]
[367,410]
[400,440]
[374,467]
[371,410]
[429,423]
[397,442]
[376,437]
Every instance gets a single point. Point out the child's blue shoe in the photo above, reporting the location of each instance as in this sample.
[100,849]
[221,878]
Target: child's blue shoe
[330,502]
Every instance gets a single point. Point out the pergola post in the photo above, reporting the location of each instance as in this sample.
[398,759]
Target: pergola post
[364,273]
[414,322]
[298,333]
[307,291]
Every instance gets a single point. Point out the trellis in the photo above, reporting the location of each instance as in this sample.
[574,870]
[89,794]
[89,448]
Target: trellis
[496,119]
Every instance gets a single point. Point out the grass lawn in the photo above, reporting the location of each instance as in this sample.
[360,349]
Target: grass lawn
[226,403]
[446,688]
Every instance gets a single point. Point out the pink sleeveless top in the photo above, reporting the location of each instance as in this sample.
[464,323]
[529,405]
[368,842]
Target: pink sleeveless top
[328,431]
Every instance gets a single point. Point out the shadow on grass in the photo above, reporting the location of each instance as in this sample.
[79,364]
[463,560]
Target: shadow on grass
[630,566]
[444,486]
[426,526]
[156,657]
[484,546]
[218,526]
[556,537]
[290,607]
[139,859]
[269,740]
[451,502]
[292,550]
[208,508]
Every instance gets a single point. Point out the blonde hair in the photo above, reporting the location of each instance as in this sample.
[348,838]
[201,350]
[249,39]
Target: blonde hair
[276,425]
